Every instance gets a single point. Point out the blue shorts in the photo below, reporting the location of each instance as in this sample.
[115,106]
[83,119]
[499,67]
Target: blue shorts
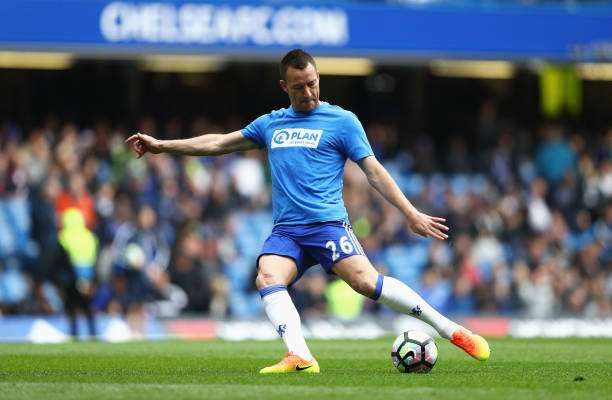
[323,243]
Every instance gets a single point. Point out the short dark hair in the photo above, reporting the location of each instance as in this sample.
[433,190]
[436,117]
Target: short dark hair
[296,58]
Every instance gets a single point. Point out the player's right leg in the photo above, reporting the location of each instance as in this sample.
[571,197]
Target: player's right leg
[359,273]
[273,275]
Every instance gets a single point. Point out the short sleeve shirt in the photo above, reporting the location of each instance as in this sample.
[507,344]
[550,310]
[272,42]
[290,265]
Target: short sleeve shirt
[307,153]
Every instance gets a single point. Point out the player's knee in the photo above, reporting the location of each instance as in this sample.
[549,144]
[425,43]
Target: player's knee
[274,270]
[265,278]
[260,281]
[362,284]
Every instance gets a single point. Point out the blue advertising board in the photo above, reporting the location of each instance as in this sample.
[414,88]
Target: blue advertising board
[379,30]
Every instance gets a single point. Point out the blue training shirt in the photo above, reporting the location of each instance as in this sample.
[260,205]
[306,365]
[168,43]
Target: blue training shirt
[307,153]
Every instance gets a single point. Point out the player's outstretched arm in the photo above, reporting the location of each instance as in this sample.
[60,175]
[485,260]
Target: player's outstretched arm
[383,182]
[204,145]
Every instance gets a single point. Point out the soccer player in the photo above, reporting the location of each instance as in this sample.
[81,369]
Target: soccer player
[308,144]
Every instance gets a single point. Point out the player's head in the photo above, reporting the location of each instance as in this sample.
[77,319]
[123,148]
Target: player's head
[300,80]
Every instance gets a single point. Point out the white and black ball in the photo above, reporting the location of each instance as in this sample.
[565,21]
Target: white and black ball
[414,351]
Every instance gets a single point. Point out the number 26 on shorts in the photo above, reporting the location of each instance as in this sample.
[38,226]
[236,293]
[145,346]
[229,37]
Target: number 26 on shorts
[345,245]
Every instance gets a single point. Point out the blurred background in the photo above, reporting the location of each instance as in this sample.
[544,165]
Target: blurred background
[496,115]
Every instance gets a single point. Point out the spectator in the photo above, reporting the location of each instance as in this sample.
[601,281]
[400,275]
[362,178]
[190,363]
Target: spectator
[554,157]
[74,268]
[141,258]
[76,195]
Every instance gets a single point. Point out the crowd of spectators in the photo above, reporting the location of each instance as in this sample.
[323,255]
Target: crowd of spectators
[530,213]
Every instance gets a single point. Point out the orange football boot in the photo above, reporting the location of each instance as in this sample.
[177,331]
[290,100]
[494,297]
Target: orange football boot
[474,345]
[292,363]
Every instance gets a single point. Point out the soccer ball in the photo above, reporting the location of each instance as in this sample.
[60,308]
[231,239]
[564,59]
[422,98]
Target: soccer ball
[414,351]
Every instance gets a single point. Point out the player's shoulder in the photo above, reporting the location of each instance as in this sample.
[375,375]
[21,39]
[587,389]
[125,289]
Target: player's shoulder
[263,121]
[272,115]
[338,111]
[279,113]
[333,108]
[344,117]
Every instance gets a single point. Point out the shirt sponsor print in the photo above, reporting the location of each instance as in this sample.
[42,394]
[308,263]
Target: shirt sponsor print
[296,137]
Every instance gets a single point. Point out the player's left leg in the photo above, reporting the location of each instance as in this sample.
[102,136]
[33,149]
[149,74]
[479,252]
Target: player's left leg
[359,273]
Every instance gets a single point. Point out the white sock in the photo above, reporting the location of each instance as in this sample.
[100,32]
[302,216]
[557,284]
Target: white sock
[401,298]
[284,316]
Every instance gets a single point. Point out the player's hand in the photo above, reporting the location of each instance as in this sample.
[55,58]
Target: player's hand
[428,226]
[142,143]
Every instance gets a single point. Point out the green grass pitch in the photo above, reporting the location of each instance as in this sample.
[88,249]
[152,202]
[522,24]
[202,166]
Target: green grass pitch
[359,369]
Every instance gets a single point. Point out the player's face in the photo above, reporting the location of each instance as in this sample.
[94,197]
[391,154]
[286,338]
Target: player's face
[302,86]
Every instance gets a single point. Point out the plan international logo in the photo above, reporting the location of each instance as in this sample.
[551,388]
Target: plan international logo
[296,137]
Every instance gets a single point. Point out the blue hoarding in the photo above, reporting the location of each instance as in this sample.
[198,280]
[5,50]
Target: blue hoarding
[358,29]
